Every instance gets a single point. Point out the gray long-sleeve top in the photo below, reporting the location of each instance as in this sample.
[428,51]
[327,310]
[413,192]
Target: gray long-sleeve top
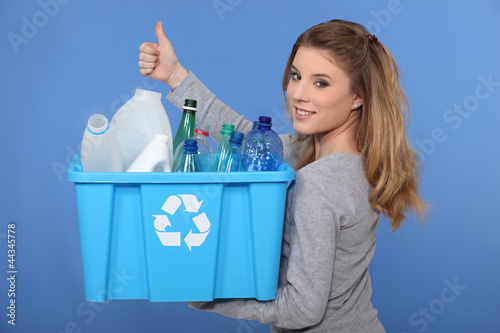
[329,237]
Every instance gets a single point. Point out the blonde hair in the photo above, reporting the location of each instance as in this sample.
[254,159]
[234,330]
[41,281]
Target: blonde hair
[390,161]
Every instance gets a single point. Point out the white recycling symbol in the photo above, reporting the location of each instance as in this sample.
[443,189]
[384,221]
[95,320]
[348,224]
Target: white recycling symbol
[173,238]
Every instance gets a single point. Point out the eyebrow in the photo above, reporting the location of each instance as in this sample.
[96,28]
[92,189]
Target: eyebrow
[292,67]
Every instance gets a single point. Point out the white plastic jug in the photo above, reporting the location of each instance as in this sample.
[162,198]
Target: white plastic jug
[100,151]
[155,157]
[138,121]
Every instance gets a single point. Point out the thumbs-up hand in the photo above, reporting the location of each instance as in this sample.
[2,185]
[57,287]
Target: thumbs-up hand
[159,61]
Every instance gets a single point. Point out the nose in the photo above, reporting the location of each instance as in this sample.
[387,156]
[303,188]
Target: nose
[298,91]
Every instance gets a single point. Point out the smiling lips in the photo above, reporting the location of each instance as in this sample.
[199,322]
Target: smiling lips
[303,114]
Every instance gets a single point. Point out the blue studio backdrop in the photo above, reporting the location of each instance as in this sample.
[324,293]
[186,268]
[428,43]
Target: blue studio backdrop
[62,61]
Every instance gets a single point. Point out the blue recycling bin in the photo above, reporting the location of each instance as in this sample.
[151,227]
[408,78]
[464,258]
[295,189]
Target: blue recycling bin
[180,236]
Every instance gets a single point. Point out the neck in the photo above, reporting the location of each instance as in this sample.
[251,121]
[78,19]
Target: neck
[339,140]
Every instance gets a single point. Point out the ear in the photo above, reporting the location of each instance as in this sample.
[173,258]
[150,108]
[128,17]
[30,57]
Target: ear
[357,102]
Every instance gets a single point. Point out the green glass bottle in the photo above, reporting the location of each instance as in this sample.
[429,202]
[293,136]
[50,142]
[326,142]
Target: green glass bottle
[186,127]
[225,135]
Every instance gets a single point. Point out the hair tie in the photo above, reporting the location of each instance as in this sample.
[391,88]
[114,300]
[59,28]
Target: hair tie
[372,38]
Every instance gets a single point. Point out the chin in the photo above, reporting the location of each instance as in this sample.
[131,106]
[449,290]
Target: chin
[301,130]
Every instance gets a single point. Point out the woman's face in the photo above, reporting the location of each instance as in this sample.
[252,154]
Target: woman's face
[319,93]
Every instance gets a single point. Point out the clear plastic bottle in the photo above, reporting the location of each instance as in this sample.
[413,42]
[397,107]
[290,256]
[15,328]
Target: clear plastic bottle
[154,158]
[262,149]
[189,161]
[205,151]
[225,135]
[100,151]
[186,126]
[138,121]
[230,161]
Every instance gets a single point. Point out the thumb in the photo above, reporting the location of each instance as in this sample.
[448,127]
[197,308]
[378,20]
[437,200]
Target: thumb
[162,39]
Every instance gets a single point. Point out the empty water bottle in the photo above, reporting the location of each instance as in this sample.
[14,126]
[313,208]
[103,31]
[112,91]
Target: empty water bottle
[262,149]
[225,135]
[230,159]
[205,151]
[189,161]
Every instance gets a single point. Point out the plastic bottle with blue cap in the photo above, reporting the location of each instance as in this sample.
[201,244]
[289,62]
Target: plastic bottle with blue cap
[205,151]
[189,161]
[262,149]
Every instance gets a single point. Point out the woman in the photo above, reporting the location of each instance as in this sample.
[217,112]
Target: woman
[352,161]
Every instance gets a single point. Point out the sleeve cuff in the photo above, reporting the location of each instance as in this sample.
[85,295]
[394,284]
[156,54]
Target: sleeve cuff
[176,95]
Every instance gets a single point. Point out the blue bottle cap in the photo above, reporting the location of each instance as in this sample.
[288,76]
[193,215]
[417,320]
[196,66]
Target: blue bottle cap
[236,137]
[263,120]
[265,123]
[190,145]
